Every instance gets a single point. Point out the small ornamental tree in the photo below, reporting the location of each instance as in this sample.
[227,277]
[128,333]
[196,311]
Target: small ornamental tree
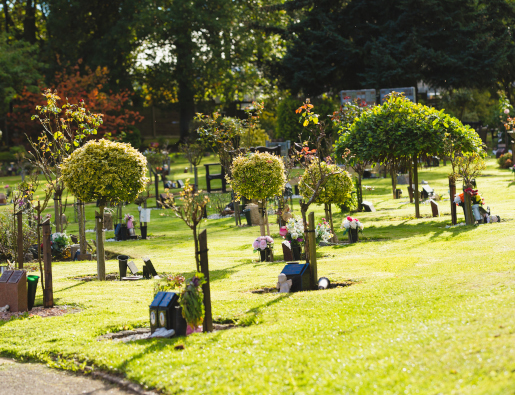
[400,130]
[108,172]
[258,176]
[335,190]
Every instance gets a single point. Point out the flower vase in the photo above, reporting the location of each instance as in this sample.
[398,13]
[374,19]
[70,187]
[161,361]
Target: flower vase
[296,251]
[353,235]
[123,232]
[143,232]
[265,254]
[288,256]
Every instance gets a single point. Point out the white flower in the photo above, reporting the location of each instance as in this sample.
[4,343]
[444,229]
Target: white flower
[354,225]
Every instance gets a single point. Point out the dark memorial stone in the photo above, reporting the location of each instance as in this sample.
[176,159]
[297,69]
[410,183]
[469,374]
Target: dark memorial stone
[299,274]
[13,290]
[368,206]
[166,310]
[427,191]
[132,267]
[150,267]
[180,184]
[434,208]
[154,323]
[287,252]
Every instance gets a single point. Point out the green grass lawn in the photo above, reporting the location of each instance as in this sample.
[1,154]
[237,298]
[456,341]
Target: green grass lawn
[431,309]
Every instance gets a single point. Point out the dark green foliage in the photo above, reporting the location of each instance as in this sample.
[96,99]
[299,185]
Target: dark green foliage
[288,126]
[339,44]
[132,137]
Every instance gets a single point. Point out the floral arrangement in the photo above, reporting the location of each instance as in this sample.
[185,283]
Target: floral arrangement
[192,300]
[129,220]
[168,283]
[262,243]
[7,190]
[475,197]
[257,176]
[323,232]
[293,232]
[59,242]
[351,223]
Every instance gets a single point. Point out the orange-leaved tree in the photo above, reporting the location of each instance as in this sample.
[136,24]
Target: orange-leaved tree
[77,87]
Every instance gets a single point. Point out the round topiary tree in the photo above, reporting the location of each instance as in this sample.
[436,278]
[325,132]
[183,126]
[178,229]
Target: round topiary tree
[258,176]
[335,189]
[108,172]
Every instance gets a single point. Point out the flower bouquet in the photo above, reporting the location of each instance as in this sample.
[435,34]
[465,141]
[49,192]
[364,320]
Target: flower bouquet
[263,244]
[59,243]
[293,234]
[323,232]
[352,226]
[476,201]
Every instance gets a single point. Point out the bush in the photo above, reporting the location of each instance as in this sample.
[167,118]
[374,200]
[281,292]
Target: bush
[288,126]
[257,176]
[8,235]
[105,170]
[505,161]
[132,137]
[336,189]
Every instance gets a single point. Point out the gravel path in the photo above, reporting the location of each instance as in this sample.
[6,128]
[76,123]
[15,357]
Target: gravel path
[36,379]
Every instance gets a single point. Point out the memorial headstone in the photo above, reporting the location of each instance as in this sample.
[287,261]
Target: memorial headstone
[368,206]
[132,267]
[3,199]
[299,274]
[150,267]
[426,192]
[434,208]
[403,179]
[13,290]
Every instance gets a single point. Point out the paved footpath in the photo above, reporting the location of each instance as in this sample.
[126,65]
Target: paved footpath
[36,379]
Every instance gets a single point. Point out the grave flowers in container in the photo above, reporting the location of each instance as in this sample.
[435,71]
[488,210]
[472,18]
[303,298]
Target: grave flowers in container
[352,226]
[60,245]
[293,232]
[476,201]
[129,222]
[264,244]
[323,232]
[192,302]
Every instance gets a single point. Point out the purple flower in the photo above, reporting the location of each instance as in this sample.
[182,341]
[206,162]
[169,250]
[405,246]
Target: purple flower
[195,281]
[262,244]
[269,239]
[300,240]
[255,245]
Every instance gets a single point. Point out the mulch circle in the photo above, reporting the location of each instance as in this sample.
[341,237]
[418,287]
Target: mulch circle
[144,333]
[42,312]
[109,277]
[275,290]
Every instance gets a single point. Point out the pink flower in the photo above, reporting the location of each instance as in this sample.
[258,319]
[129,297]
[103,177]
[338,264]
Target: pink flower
[269,239]
[506,110]
[255,245]
[283,231]
[349,219]
[262,244]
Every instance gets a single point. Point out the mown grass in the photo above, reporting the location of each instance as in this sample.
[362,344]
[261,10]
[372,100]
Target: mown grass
[431,310]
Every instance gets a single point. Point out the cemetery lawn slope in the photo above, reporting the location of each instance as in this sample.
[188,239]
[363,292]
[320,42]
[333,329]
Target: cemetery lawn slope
[431,309]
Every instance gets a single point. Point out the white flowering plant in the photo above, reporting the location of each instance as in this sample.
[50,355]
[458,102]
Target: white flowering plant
[293,231]
[351,223]
[323,232]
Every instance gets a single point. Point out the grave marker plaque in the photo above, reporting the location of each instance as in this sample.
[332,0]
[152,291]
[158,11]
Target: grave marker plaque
[132,267]
[434,208]
[13,290]
[150,267]
[368,206]
[299,274]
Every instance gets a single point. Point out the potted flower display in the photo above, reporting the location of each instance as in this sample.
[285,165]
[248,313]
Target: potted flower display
[59,245]
[476,200]
[264,244]
[323,232]
[352,226]
[293,233]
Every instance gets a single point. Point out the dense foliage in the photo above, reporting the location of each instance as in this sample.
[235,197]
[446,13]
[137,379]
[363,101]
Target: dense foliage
[257,176]
[335,190]
[105,170]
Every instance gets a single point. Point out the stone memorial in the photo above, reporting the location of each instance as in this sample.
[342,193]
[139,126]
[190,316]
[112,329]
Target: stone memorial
[283,284]
[367,95]
[434,208]
[150,267]
[132,267]
[299,274]
[403,179]
[3,199]
[254,213]
[13,290]
[368,206]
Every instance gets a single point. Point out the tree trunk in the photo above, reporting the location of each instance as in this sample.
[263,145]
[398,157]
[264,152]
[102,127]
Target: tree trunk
[29,22]
[303,210]
[19,239]
[101,263]
[57,220]
[206,288]
[359,191]
[410,167]
[452,192]
[38,225]
[261,210]
[48,297]
[186,92]
[415,181]
[82,228]
[394,181]
[469,217]
[195,239]
[313,269]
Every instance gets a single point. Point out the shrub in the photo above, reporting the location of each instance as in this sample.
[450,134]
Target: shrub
[504,159]
[105,170]
[336,189]
[257,176]
[8,235]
